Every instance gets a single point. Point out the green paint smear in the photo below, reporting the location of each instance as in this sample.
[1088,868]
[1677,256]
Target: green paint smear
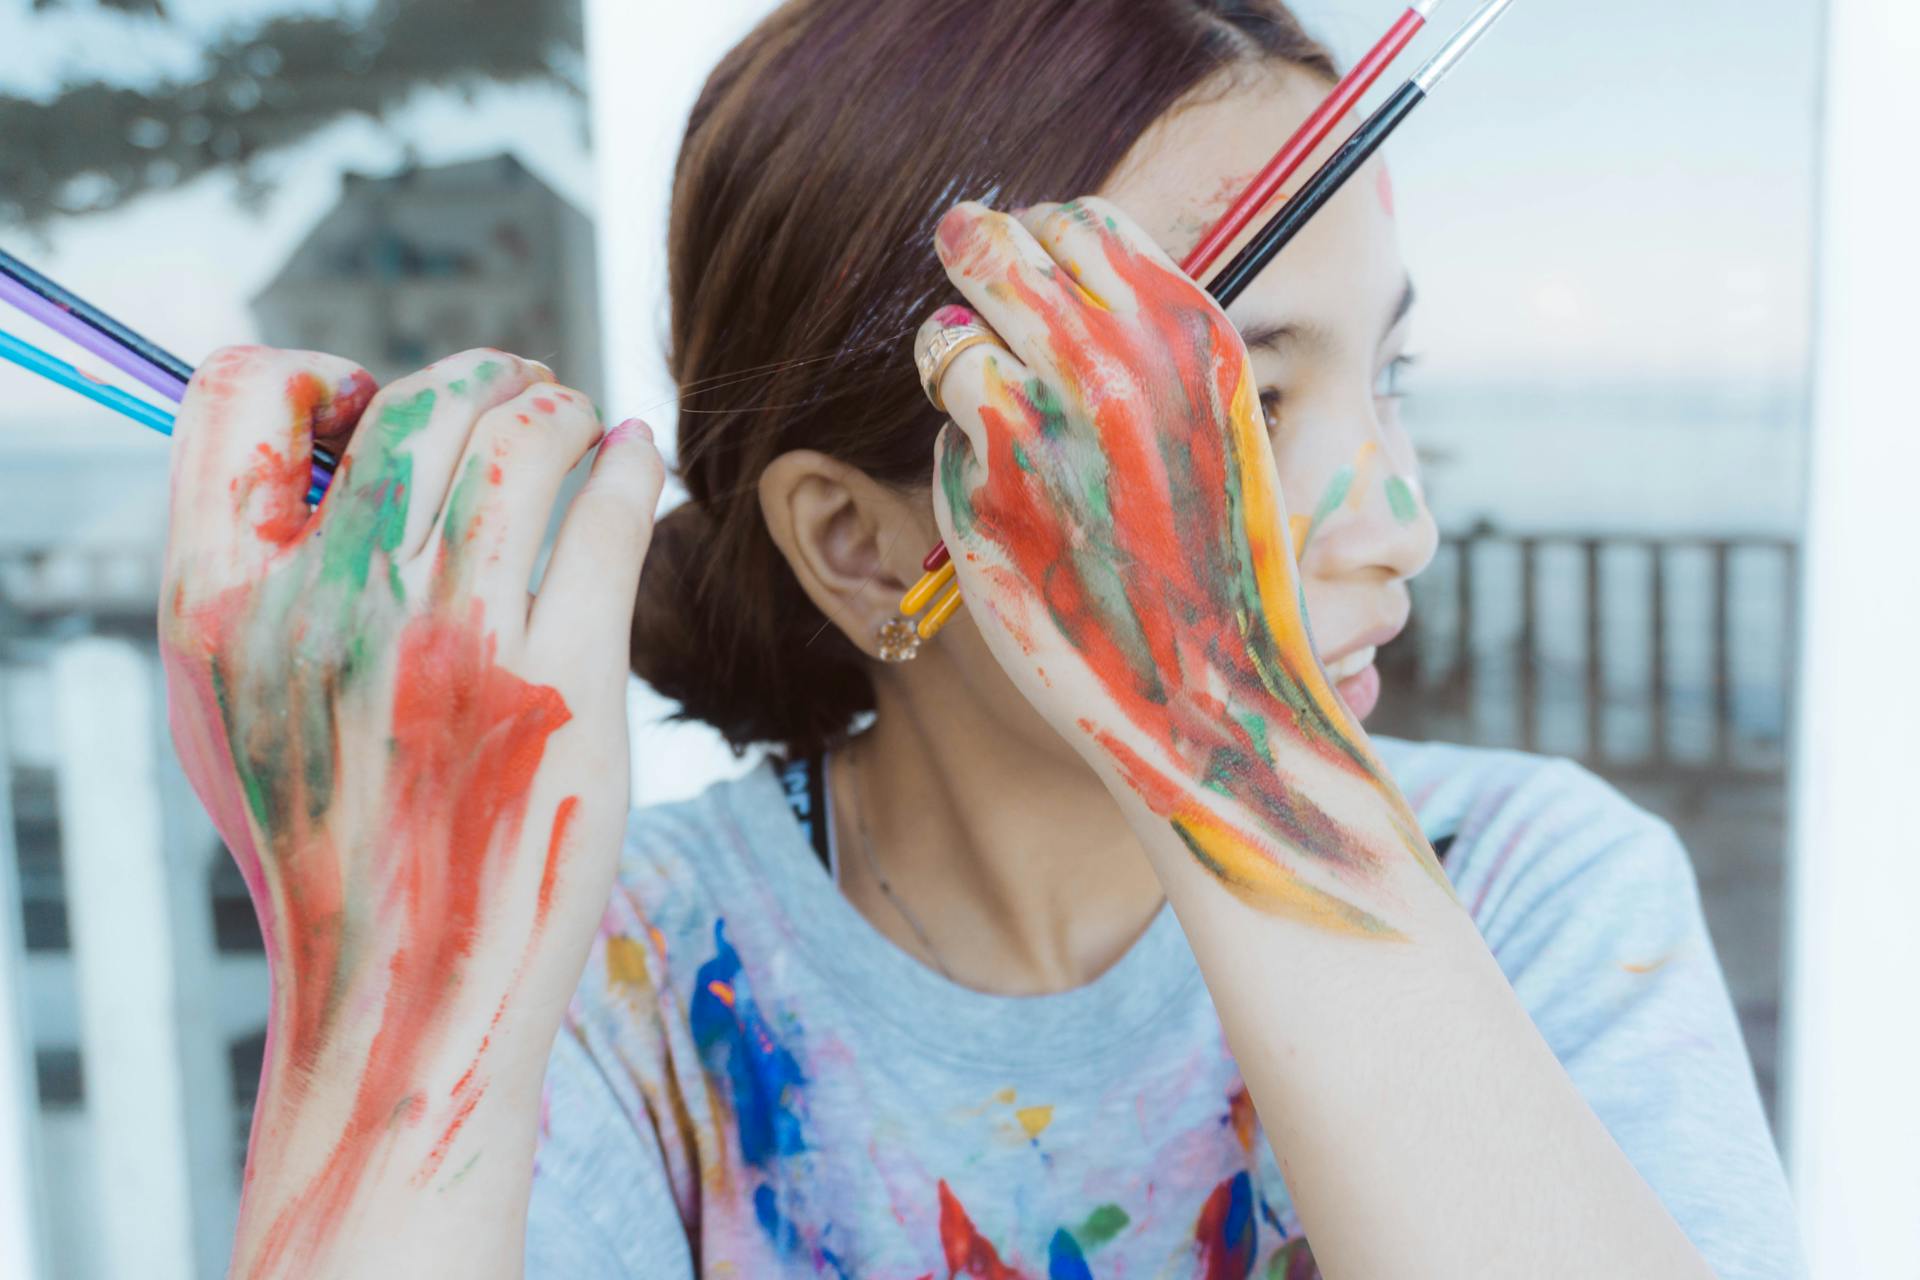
[1337,489]
[486,371]
[465,1169]
[458,386]
[953,482]
[372,516]
[1053,414]
[1282,1262]
[1406,507]
[462,504]
[1257,734]
[1102,1225]
[1106,592]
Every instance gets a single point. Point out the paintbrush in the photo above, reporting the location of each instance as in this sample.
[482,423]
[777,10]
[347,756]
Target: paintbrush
[78,320]
[1280,230]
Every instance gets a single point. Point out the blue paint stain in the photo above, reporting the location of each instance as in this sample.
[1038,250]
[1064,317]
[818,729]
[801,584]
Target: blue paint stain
[766,1207]
[736,1043]
[1228,1232]
[1064,1259]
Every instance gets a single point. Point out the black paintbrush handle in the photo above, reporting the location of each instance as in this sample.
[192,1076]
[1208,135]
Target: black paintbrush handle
[1234,278]
[95,318]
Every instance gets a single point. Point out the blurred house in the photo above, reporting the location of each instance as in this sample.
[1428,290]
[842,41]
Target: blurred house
[430,261]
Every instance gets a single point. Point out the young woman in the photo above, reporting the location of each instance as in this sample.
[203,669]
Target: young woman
[1094,937]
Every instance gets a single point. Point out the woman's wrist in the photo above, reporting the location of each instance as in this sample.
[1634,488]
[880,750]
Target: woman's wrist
[1314,835]
[414,1184]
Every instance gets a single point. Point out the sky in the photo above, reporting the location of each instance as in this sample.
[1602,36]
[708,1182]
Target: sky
[1599,196]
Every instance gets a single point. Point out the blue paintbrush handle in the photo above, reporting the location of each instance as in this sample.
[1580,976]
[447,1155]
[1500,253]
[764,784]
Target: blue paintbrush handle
[53,368]
[32,358]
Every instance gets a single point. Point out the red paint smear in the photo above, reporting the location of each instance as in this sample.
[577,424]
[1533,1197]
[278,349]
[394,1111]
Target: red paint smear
[550,874]
[1240,1114]
[1174,563]
[299,906]
[968,1252]
[1220,1257]
[464,1100]
[468,737]
[953,315]
[544,405]
[274,488]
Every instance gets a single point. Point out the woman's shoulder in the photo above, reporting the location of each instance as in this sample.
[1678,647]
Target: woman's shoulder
[1515,828]
[700,846]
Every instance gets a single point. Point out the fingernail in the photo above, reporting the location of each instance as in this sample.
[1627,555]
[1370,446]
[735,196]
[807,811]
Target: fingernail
[628,430]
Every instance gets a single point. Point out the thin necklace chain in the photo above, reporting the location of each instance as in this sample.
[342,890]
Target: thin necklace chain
[873,869]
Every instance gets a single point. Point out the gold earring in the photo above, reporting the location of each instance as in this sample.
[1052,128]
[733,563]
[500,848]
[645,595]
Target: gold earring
[898,640]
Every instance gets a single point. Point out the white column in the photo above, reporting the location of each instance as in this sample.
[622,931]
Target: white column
[646,63]
[1853,1042]
[20,1234]
[123,947]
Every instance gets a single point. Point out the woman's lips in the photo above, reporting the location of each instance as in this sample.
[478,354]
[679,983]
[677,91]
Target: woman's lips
[1361,692]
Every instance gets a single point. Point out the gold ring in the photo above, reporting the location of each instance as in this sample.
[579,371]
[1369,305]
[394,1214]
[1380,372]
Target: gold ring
[942,349]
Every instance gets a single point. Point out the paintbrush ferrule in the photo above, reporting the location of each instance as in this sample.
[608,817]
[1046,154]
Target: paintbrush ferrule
[1463,40]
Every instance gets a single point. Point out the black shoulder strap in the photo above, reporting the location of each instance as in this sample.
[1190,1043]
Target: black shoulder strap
[805,783]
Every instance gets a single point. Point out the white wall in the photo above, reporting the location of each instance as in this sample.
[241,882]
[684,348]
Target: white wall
[647,63]
[1854,1031]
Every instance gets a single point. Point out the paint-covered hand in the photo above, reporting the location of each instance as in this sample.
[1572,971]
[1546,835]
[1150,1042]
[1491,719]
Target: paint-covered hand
[1117,526]
[421,769]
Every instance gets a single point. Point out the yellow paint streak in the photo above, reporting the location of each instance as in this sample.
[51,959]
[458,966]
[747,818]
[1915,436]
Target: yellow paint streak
[627,964]
[1259,879]
[1272,566]
[1034,1119]
[1362,466]
[1299,527]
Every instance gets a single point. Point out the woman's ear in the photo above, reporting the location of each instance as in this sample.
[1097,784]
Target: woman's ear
[853,543]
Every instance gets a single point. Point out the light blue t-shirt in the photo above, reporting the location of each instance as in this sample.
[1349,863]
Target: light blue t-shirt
[752,1081]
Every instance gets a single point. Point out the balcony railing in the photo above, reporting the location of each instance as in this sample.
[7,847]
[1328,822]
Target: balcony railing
[1627,652]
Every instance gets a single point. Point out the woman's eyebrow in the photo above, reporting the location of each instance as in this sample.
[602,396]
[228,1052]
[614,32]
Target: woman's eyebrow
[1274,337]
[1278,335]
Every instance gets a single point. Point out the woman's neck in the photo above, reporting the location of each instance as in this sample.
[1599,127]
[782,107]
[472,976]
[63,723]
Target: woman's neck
[1008,855]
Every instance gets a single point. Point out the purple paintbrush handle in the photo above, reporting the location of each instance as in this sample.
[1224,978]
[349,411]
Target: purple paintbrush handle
[65,323]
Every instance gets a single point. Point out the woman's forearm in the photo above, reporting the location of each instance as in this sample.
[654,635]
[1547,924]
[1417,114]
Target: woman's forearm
[1423,1125]
[439,1190]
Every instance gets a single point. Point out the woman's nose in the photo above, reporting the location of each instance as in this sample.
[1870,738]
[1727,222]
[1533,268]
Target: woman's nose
[1372,518]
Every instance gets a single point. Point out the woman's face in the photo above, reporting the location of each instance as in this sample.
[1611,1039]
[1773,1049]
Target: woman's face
[1327,325]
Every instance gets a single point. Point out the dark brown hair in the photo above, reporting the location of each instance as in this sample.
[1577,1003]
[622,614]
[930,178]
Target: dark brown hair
[817,162]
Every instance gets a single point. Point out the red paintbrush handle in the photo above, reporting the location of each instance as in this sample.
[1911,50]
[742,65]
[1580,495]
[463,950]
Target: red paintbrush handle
[1285,163]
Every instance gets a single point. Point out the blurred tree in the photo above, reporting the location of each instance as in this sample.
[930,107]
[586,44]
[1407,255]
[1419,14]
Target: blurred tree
[94,146]
[154,7]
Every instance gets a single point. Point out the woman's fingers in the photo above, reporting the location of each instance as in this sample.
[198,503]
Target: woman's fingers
[399,468]
[1081,236]
[975,386]
[586,598]
[497,510]
[1010,280]
[242,456]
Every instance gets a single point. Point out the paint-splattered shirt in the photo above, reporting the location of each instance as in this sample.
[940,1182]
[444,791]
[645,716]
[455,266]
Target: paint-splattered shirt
[754,1082]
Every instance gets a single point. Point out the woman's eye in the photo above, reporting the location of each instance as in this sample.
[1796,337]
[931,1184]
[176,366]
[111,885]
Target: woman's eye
[1270,407]
[1391,384]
